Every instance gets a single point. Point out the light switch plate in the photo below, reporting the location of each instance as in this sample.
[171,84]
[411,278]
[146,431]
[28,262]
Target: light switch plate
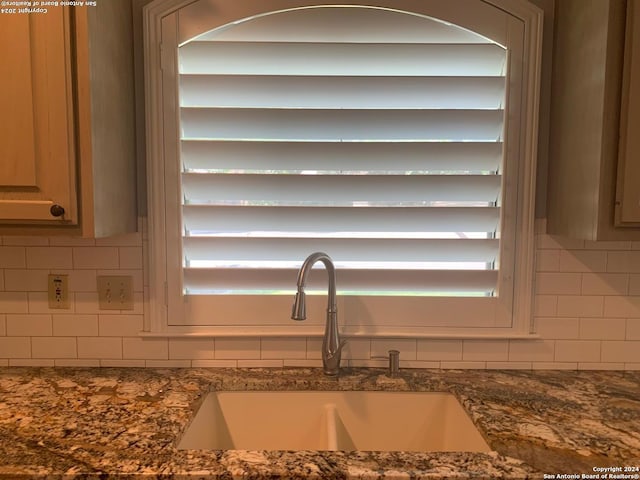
[115,292]
[58,291]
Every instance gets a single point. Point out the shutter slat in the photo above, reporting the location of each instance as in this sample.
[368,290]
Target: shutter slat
[341,125]
[234,280]
[212,156]
[344,251]
[275,58]
[338,221]
[336,190]
[341,92]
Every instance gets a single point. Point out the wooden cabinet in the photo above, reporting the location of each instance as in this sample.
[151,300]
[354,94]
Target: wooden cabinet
[36,123]
[585,121]
[67,131]
[628,187]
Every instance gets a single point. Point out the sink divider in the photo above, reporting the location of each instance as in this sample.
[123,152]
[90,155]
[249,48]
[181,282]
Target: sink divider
[331,417]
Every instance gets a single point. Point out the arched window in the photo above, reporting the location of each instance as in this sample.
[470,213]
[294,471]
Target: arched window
[398,137]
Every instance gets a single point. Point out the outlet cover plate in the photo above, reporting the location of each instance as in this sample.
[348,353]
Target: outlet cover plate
[58,291]
[115,292]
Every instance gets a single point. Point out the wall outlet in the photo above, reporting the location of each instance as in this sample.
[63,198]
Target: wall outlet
[58,288]
[115,292]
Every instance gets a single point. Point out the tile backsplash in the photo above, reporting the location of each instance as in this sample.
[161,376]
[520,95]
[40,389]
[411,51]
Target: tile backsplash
[587,312]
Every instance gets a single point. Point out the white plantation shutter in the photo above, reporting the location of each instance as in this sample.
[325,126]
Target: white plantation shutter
[377,139]
[401,141]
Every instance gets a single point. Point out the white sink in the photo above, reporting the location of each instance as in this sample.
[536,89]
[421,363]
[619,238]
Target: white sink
[382,421]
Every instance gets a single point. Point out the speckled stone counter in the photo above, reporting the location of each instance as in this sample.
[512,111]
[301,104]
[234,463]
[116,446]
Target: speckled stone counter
[102,422]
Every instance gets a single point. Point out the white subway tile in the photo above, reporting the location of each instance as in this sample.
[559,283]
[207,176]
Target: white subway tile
[53,347]
[95,257]
[418,364]
[555,365]
[280,348]
[4,362]
[31,362]
[87,302]
[406,346]
[26,280]
[14,302]
[633,329]
[555,328]
[214,363]
[12,257]
[71,242]
[463,365]
[577,351]
[605,284]
[547,260]
[304,363]
[131,257]
[49,257]
[260,363]
[623,352]
[602,328]
[100,347]
[167,363]
[607,245]
[138,304]
[314,348]
[551,283]
[39,303]
[354,348]
[25,240]
[531,350]
[623,262]
[77,363]
[485,350]
[1,280]
[632,367]
[635,245]
[580,306]
[559,243]
[15,347]
[583,261]
[190,348]
[3,326]
[509,366]
[439,350]
[545,305]
[120,325]
[600,366]
[138,348]
[363,363]
[237,348]
[29,325]
[634,284]
[625,307]
[122,363]
[124,240]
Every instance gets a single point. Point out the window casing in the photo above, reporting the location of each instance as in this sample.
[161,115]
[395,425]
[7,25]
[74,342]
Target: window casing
[187,296]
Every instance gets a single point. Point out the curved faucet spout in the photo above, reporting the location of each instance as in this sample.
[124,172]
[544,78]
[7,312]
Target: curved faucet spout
[331,344]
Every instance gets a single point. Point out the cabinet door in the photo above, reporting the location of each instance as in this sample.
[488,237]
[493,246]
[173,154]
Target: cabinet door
[37,159]
[628,192]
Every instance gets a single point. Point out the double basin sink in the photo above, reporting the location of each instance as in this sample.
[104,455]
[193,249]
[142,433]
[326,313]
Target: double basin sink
[353,420]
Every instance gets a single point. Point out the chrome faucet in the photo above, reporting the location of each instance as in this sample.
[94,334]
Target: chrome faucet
[331,344]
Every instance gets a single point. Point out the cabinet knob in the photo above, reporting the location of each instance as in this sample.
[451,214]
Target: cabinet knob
[57,210]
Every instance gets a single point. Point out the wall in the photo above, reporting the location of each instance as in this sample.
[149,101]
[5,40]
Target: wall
[587,313]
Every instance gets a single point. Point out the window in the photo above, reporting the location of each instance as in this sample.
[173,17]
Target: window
[400,142]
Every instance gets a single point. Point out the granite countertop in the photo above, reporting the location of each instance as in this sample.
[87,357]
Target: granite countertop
[102,422]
